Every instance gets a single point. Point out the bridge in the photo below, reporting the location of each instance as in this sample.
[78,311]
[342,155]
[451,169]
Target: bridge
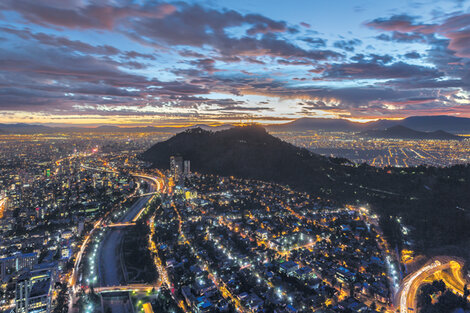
[123,224]
[127,288]
[147,194]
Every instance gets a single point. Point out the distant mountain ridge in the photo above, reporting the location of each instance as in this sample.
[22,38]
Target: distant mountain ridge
[325,124]
[402,132]
[21,128]
[450,124]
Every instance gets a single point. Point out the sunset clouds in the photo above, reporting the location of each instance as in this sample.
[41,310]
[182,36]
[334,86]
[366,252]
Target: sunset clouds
[155,62]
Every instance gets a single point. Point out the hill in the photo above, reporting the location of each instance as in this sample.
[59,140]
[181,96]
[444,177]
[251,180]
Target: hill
[21,128]
[402,132]
[434,201]
[248,152]
[452,124]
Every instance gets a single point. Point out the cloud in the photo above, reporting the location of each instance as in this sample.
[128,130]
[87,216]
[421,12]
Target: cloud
[194,25]
[405,28]
[62,42]
[184,55]
[373,58]
[347,45]
[205,64]
[412,55]
[70,14]
[403,37]
[373,70]
[401,23]
[315,42]
[135,55]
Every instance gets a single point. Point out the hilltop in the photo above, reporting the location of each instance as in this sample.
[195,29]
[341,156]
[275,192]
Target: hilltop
[248,152]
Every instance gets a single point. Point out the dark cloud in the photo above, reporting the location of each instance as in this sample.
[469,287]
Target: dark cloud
[190,54]
[412,55]
[55,79]
[135,55]
[314,105]
[243,108]
[270,45]
[71,14]
[372,70]
[401,23]
[373,58]
[294,62]
[403,37]
[263,25]
[347,45]
[405,28]
[62,42]
[206,65]
[194,25]
[314,42]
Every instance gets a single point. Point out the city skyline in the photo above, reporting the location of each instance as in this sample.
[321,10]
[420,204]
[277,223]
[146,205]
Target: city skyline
[234,156]
[180,63]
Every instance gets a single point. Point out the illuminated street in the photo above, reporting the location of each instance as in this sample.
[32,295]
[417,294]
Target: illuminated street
[406,298]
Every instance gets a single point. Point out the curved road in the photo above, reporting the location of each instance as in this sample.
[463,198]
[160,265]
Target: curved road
[406,298]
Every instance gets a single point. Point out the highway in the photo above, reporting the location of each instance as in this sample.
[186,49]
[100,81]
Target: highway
[446,268]
[110,261]
[2,207]
[110,269]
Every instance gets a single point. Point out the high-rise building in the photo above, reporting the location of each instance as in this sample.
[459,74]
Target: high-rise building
[176,166]
[187,168]
[17,262]
[33,292]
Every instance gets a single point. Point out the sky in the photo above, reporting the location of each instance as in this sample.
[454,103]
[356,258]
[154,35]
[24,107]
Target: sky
[124,62]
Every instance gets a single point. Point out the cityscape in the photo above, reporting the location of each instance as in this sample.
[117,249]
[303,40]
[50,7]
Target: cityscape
[382,152]
[88,226]
[201,156]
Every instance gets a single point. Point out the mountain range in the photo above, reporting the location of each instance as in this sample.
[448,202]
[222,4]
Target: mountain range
[402,132]
[446,123]
[451,124]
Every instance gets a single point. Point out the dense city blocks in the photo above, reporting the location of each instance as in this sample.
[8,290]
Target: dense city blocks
[89,224]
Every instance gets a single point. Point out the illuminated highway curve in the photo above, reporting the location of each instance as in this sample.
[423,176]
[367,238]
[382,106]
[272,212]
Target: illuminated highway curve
[406,298]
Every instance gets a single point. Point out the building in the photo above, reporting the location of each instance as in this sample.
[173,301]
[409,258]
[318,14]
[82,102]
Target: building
[33,292]
[186,168]
[176,166]
[15,263]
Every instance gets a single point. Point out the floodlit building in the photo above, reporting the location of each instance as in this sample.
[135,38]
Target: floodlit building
[17,262]
[187,168]
[33,292]
[176,166]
